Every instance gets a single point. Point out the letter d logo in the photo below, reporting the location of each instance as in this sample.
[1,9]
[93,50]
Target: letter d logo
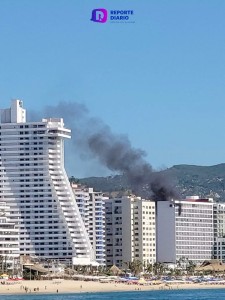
[99,15]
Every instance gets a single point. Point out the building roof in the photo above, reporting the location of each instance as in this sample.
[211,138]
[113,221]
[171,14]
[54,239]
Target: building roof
[115,270]
[211,265]
[37,268]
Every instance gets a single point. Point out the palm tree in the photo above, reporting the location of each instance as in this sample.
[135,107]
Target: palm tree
[135,266]
[102,270]
[3,264]
[182,263]
[190,268]
[177,272]
[171,271]
[149,268]
[158,268]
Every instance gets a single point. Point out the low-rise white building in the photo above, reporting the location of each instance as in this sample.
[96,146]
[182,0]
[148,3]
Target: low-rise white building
[185,229]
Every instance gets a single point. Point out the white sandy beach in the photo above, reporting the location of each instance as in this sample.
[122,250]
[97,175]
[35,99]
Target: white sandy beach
[71,286]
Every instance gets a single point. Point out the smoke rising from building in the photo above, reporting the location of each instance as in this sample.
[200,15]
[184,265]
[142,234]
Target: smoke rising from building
[94,138]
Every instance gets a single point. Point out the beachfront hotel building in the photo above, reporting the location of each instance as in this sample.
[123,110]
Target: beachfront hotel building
[9,239]
[91,205]
[35,186]
[185,229]
[130,231]
[219,231]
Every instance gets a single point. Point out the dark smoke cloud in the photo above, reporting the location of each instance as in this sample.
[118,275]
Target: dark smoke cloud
[92,137]
[117,154]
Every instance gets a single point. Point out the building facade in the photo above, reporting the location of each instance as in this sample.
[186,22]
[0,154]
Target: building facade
[219,231]
[185,230]
[92,209]
[34,184]
[130,231]
[9,240]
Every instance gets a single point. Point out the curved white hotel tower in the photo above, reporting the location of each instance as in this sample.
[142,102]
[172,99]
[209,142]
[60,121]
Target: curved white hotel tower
[33,182]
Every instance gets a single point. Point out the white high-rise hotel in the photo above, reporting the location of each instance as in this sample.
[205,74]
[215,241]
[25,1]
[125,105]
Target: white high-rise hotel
[130,231]
[185,230]
[92,209]
[34,184]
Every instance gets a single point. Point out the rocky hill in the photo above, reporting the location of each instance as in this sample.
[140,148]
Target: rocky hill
[189,180]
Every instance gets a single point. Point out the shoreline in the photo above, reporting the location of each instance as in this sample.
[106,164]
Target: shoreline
[41,287]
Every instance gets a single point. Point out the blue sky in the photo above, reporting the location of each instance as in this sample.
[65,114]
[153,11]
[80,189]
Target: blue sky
[160,80]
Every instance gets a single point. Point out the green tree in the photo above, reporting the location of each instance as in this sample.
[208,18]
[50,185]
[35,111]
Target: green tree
[135,266]
[149,268]
[158,268]
[190,268]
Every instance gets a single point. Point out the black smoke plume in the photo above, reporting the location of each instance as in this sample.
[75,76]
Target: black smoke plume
[92,136]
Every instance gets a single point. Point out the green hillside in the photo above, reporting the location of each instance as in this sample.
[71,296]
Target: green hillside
[205,181]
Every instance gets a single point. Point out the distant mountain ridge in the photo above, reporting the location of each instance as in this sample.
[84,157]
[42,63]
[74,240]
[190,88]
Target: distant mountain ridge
[204,181]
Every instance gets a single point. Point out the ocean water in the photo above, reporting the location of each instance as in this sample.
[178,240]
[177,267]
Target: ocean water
[213,294]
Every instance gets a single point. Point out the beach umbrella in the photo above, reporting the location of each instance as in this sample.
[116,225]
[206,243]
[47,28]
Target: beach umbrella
[142,281]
